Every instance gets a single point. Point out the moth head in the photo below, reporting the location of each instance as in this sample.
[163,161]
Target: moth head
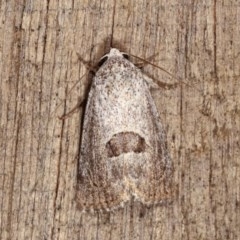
[102,60]
[113,53]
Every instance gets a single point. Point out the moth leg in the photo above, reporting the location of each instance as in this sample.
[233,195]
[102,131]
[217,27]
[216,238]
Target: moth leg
[152,84]
[82,101]
[158,84]
[88,65]
[71,112]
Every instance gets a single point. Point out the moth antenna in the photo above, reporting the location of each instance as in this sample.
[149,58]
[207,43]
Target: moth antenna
[90,68]
[162,69]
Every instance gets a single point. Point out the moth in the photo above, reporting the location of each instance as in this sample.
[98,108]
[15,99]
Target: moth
[123,153]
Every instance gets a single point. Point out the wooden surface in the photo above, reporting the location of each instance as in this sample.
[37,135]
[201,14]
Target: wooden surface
[197,41]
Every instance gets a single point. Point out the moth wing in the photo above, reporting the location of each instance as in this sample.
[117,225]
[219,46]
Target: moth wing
[95,185]
[123,154]
[156,183]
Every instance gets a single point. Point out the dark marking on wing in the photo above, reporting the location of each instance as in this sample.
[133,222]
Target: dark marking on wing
[125,142]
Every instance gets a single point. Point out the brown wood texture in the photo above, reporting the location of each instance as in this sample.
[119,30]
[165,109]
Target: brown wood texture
[197,41]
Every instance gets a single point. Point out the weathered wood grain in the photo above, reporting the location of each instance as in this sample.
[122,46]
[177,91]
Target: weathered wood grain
[197,41]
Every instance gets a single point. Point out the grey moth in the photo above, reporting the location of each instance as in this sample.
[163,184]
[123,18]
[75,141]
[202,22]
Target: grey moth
[123,153]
